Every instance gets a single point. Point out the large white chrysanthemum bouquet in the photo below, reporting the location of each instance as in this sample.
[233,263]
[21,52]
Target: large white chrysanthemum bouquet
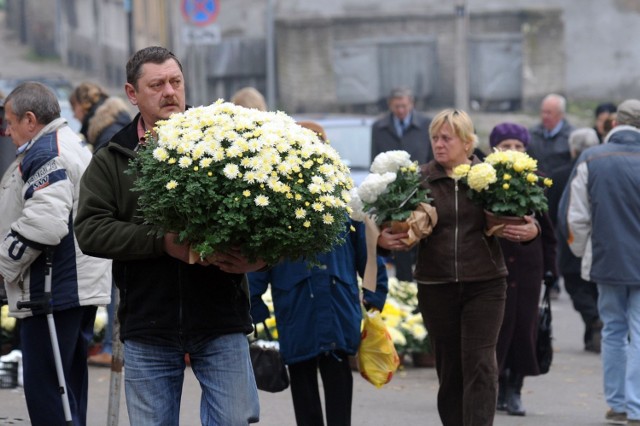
[223,176]
[505,184]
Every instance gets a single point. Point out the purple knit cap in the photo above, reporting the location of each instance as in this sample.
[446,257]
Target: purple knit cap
[504,131]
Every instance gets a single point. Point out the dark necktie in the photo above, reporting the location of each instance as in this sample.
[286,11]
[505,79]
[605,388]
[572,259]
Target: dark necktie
[403,128]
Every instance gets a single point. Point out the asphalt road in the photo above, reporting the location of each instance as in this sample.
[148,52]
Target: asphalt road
[570,394]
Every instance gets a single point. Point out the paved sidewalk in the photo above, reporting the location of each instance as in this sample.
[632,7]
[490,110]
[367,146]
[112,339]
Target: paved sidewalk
[570,394]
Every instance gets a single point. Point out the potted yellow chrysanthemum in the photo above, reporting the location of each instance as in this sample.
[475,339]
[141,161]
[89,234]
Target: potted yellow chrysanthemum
[223,176]
[506,185]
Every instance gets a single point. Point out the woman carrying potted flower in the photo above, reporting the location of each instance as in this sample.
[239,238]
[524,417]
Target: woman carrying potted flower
[461,279]
[527,264]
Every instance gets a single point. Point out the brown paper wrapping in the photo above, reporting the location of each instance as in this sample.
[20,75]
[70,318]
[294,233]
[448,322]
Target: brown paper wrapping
[421,223]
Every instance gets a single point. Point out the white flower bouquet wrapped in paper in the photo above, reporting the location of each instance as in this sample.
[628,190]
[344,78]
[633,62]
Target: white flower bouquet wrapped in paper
[223,176]
[392,196]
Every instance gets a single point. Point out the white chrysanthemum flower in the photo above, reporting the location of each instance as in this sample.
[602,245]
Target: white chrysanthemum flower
[185,162]
[160,154]
[300,213]
[390,161]
[231,171]
[172,184]
[261,201]
[374,185]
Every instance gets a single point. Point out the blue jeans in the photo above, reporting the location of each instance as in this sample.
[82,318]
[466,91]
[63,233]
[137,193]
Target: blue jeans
[619,308]
[154,376]
[107,343]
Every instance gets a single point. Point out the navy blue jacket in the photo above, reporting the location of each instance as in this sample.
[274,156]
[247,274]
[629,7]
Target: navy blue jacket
[318,309]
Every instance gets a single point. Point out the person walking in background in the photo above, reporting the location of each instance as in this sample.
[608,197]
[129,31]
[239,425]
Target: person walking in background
[461,279]
[168,307]
[584,294]
[38,204]
[101,117]
[402,128]
[549,143]
[599,218]
[249,97]
[550,138]
[527,265]
[318,317]
[603,114]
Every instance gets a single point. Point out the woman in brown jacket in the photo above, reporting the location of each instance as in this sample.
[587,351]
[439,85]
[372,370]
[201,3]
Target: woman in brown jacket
[461,279]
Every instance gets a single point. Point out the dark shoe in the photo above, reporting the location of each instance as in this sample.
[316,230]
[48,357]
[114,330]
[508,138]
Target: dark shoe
[616,417]
[102,359]
[514,401]
[596,336]
[514,405]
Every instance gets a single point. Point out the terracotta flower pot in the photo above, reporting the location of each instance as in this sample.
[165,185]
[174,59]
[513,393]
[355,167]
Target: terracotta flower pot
[396,226]
[495,223]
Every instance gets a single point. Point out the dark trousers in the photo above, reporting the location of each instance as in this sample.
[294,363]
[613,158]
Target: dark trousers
[584,296]
[403,262]
[74,329]
[337,380]
[463,320]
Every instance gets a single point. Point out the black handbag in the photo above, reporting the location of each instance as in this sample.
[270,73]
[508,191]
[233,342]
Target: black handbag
[268,367]
[544,347]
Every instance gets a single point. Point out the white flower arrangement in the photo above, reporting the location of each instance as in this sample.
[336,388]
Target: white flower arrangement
[391,191]
[223,176]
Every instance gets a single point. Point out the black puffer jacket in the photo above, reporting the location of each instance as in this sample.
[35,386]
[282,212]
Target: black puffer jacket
[161,299]
[457,250]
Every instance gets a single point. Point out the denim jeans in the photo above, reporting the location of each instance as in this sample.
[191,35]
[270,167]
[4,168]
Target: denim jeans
[154,376]
[619,307]
[463,320]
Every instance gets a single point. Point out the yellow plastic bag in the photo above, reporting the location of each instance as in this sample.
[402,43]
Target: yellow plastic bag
[377,357]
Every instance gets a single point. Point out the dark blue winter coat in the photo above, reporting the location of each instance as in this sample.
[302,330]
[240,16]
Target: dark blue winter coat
[318,309]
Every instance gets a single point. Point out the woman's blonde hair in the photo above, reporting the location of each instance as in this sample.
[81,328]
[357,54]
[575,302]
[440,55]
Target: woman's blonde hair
[459,121]
[87,94]
[249,97]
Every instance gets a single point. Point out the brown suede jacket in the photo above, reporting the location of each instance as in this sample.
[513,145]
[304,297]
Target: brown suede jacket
[457,250]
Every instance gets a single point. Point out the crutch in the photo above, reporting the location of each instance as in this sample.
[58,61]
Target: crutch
[115,383]
[46,306]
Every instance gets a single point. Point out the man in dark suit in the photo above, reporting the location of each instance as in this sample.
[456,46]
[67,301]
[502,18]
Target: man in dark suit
[402,128]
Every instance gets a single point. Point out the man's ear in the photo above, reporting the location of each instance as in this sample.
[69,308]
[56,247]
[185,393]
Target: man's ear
[32,120]
[131,93]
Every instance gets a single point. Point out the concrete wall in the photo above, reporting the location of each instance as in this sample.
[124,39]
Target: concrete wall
[585,49]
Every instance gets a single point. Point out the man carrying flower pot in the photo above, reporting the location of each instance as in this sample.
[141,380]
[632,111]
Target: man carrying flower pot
[168,307]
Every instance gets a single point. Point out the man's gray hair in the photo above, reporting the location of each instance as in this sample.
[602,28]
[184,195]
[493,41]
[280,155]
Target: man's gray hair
[401,92]
[562,102]
[35,97]
[581,139]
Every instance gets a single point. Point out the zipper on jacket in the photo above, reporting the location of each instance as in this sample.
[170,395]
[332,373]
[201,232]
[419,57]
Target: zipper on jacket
[455,243]
[311,295]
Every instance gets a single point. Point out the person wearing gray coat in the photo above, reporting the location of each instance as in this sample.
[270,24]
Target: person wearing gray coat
[402,128]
